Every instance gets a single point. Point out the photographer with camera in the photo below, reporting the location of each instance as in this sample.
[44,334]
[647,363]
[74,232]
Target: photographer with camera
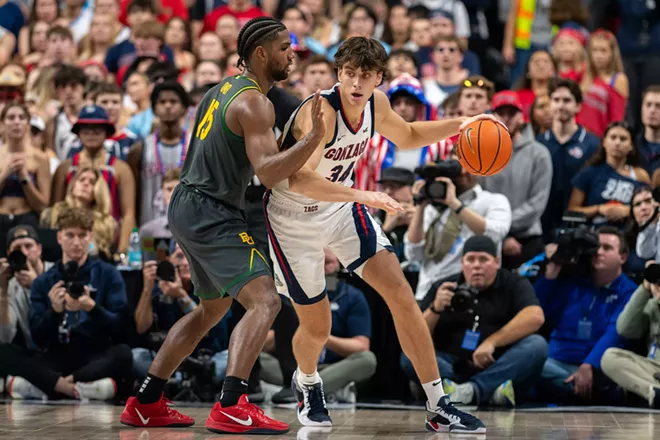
[167,296]
[648,239]
[640,319]
[483,323]
[582,311]
[450,208]
[75,319]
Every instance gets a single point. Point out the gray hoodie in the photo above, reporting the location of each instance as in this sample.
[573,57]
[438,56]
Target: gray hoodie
[526,183]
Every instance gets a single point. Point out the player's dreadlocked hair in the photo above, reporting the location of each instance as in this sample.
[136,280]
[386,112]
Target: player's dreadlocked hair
[255,33]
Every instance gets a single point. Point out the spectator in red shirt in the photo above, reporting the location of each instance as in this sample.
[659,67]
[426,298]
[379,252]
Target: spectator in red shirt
[605,85]
[540,69]
[165,9]
[243,10]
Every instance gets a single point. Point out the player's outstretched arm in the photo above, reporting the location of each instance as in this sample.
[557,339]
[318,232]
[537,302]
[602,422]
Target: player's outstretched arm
[419,133]
[270,165]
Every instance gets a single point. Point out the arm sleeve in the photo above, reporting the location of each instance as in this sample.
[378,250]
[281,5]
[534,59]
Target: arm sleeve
[582,179]
[609,339]
[359,317]
[284,103]
[647,242]
[43,319]
[551,295]
[523,295]
[498,218]
[525,215]
[632,323]
[110,314]
[415,251]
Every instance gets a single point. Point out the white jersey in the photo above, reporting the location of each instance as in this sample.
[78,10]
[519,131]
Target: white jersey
[338,162]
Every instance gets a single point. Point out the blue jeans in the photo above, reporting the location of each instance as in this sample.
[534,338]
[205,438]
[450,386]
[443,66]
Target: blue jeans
[551,386]
[522,363]
[142,358]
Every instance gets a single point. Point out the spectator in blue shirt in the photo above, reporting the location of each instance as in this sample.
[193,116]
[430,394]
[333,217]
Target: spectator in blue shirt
[76,320]
[603,190]
[11,17]
[582,314]
[570,146]
[648,141]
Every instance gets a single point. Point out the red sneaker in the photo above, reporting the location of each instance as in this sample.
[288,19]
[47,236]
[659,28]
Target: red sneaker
[156,414]
[243,418]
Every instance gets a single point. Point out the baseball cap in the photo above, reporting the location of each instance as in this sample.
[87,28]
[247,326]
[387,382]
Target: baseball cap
[21,231]
[93,115]
[506,97]
[38,123]
[397,175]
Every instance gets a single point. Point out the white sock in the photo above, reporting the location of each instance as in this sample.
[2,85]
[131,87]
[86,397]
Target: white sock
[308,379]
[434,391]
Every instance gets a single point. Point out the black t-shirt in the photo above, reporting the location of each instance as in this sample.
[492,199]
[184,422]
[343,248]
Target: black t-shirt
[495,306]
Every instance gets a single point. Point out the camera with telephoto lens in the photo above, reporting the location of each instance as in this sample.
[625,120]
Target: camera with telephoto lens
[652,273]
[71,278]
[463,298]
[576,242]
[434,190]
[17,261]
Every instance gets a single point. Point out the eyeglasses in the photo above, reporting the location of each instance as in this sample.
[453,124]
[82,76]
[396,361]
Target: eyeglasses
[447,49]
[646,201]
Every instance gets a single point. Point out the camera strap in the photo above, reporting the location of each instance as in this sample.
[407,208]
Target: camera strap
[439,243]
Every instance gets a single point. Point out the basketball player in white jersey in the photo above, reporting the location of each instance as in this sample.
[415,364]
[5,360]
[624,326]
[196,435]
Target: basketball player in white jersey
[317,208]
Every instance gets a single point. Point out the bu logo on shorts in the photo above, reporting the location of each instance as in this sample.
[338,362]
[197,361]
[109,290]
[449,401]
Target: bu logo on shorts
[246,238]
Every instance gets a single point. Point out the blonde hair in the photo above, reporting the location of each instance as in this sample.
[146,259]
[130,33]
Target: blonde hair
[104,227]
[616,63]
[86,46]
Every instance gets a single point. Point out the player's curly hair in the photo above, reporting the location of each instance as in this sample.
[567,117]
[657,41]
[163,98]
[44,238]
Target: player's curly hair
[255,33]
[75,218]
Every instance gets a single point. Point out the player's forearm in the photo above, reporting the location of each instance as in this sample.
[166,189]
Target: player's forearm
[314,186]
[284,164]
[424,133]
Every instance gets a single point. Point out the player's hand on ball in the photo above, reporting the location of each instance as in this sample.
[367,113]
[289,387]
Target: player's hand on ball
[482,117]
[318,120]
[380,201]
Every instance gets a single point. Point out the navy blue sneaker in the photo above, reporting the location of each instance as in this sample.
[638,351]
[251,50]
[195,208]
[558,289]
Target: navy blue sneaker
[654,397]
[311,403]
[446,417]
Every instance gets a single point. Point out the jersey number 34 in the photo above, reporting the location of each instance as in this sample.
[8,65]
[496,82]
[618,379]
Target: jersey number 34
[205,126]
[337,175]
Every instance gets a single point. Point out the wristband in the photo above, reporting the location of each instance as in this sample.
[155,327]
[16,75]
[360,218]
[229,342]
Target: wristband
[432,308]
[459,209]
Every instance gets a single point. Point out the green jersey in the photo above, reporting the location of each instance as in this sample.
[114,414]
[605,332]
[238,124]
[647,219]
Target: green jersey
[216,163]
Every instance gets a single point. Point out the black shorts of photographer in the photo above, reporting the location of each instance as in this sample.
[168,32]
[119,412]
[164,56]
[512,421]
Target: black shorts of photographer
[483,322]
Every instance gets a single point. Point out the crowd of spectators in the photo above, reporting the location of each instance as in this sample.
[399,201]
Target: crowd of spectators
[98,101]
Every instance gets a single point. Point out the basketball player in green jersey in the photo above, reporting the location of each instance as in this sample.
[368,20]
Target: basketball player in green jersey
[233,140]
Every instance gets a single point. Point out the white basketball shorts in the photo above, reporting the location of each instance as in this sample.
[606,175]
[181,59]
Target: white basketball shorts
[297,235]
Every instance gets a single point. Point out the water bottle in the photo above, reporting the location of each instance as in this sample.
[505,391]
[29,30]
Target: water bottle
[134,250]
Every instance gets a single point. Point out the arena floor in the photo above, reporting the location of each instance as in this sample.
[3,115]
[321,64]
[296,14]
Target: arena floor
[20,420]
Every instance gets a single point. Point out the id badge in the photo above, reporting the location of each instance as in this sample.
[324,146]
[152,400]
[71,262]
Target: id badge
[653,350]
[470,340]
[584,330]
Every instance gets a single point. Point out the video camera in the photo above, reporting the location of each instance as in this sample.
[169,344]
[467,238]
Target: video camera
[463,298]
[71,279]
[652,273]
[575,240]
[433,190]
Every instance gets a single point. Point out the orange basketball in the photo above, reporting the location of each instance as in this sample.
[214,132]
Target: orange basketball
[484,148]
